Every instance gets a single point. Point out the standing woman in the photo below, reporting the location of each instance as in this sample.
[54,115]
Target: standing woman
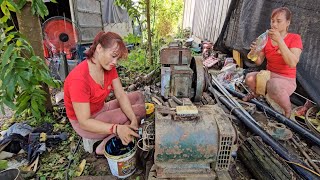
[282,52]
[89,84]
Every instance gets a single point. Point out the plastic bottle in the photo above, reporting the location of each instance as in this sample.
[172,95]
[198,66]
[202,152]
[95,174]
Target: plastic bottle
[260,44]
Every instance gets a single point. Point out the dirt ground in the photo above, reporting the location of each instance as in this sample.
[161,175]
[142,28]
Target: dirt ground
[7,114]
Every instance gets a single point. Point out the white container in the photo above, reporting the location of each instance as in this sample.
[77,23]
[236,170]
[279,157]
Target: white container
[165,81]
[124,165]
[261,82]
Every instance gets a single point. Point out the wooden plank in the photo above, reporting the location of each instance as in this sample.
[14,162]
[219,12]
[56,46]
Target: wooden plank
[263,162]
[187,110]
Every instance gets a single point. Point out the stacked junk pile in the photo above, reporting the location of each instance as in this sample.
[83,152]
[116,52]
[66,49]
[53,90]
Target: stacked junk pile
[194,133]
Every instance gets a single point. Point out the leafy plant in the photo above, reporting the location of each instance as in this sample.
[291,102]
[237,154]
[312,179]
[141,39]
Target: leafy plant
[22,72]
[165,19]
[136,60]
[132,39]
[134,9]
[34,122]
[168,15]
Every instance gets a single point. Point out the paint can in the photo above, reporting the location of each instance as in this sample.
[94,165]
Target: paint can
[121,158]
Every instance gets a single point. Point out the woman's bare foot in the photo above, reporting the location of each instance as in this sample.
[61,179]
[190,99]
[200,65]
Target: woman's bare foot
[248,97]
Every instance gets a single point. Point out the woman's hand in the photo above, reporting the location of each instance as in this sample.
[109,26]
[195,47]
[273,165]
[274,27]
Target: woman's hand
[253,46]
[274,35]
[253,56]
[126,133]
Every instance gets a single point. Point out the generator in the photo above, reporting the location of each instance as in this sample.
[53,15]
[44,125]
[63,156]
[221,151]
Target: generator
[193,147]
[190,141]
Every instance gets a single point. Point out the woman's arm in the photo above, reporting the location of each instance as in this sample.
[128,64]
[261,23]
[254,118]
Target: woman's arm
[124,101]
[82,111]
[125,132]
[260,59]
[291,56]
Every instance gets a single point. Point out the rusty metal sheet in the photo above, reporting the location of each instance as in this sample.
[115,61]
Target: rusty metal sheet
[175,55]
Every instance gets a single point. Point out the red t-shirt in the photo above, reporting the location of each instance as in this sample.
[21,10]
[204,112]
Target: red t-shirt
[80,87]
[275,62]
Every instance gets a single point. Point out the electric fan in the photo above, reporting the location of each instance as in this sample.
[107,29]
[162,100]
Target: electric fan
[60,42]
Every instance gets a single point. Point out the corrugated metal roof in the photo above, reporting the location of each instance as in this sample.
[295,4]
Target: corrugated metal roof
[88,17]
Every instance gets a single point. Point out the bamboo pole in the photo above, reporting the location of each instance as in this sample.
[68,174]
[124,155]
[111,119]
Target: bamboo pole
[150,60]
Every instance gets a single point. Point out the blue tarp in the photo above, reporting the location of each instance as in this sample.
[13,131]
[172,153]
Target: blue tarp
[113,13]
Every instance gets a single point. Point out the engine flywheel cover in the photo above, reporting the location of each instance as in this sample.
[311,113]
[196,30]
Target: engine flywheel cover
[198,79]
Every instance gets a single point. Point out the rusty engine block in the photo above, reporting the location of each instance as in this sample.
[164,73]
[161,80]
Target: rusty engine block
[182,75]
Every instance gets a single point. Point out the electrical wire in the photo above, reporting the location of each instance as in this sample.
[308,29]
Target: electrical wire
[306,168]
[304,98]
[139,141]
[147,137]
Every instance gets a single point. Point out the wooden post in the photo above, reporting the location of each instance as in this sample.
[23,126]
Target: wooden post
[29,25]
[150,60]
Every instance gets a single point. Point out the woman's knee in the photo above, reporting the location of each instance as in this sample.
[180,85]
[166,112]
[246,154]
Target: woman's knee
[139,110]
[251,79]
[136,97]
[276,86]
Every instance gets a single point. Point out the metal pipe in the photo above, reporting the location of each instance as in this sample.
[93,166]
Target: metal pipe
[232,100]
[278,148]
[281,118]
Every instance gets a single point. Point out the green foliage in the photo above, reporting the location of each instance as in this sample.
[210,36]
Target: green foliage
[132,39]
[39,8]
[3,164]
[136,60]
[22,72]
[36,122]
[165,18]
[168,15]
[183,33]
[134,9]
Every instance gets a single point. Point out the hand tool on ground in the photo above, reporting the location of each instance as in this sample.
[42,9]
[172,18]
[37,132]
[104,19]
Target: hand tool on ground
[42,137]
